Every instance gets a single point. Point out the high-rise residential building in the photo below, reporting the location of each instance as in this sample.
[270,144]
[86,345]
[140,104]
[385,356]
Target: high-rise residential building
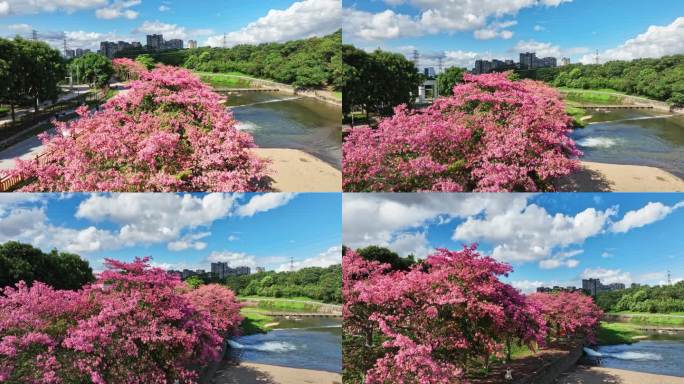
[70,53]
[155,42]
[222,270]
[108,48]
[547,62]
[429,72]
[591,286]
[173,44]
[528,60]
[565,61]
[192,44]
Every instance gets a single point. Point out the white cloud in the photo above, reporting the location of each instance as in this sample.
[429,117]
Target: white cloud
[657,41]
[18,28]
[527,285]
[606,255]
[496,29]
[608,276]
[164,8]
[302,19]
[190,241]
[530,233]
[562,259]
[331,256]
[119,8]
[648,214]
[234,259]
[546,49]
[37,6]
[264,202]
[539,28]
[435,16]
[233,238]
[411,244]
[170,31]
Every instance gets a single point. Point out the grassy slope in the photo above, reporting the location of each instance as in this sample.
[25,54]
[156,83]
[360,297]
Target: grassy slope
[224,80]
[617,333]
[254,322]
[655,318]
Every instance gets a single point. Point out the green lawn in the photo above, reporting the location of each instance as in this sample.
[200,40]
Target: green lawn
[255,321]
[577,114]
[592,96]
[655,318]
[297,298]
[617,333]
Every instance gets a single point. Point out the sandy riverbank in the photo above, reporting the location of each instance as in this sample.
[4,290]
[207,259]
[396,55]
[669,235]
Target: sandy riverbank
[601,375]
[601,177]
[297,171]
[250,373]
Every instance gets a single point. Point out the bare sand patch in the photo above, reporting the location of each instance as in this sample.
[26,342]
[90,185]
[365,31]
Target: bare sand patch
[602,177]
[297,171]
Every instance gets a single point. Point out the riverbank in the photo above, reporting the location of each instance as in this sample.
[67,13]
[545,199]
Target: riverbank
[252,373]
[293,170]
[602,177]
[238,80]
[602,375]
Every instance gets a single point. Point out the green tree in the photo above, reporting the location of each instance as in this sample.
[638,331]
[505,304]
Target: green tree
[93,68]
[58,269]
[384,255]
[447,79]
[43,67]
[194,281]
[146,60]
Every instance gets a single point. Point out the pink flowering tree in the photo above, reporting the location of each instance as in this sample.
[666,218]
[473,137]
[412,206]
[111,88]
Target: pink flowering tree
[169,132]
[569,314]
[493,134]
[435,320]
[136,324]
[127,69]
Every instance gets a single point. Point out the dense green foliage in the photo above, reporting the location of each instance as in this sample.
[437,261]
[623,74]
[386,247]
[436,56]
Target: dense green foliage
[29,72]
[660,79]
[59,270]
[385,256]
[658,299]
[323,284]
[377,82]
[315,62]
[92,68]
[447,79]
[145,60]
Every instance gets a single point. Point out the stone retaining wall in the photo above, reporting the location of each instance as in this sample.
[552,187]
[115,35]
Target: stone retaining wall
[551,371]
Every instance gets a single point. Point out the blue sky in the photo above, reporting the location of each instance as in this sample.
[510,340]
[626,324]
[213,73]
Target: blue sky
[550,239]
[464,30]
[180,230]
[87,22]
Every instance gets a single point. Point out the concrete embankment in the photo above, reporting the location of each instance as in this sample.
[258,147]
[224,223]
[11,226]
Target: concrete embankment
[251,373]
[549,372]
[321,95]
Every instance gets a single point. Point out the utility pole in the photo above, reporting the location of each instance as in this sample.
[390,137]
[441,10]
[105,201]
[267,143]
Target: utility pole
[34,35]
[440,62]
[224,40]
[669,278]
[416,58]
[597,57]
[291,263]
[65,43]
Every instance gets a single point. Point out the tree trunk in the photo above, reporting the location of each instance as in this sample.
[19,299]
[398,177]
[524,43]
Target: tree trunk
[508,349]
[36,106]
[14,119]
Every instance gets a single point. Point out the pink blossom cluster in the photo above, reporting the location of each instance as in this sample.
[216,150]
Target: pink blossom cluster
[493,134]
[127,69]
[169,132]
[136,324]
[433,319]
[569,313]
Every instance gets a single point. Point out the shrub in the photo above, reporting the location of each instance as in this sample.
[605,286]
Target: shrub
[136,324]
[493,134]
[168,133]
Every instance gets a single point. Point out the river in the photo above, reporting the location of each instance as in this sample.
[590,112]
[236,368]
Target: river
[309,343]
[661,354]
[279,120]
[634,137]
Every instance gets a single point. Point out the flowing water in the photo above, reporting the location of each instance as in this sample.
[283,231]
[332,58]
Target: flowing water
[661,354]
[634,137]
[309,343]
[278,120]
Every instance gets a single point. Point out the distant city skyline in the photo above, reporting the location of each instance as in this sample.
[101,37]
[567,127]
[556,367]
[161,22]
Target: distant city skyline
[549,239]
[461,31]
[180,231]
[86,23]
